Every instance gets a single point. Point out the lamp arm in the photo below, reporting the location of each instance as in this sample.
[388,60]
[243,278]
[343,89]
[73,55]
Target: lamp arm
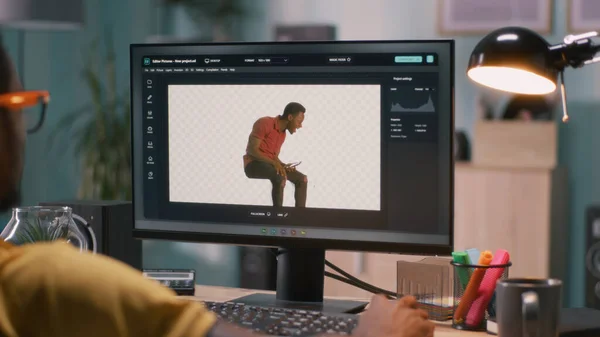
[569,39]
[563,94]
[594,60]
[576,51]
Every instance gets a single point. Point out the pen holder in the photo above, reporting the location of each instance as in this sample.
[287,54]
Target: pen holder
[474,294]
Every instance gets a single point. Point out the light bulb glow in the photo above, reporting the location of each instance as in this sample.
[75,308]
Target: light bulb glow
[512,80]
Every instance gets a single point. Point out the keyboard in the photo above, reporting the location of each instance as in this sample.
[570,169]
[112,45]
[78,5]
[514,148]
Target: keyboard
[282,321]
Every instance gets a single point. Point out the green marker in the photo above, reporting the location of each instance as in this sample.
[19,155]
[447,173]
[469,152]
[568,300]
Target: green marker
[463,272]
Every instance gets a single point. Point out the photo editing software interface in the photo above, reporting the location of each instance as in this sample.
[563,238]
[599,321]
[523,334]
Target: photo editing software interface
[365,154]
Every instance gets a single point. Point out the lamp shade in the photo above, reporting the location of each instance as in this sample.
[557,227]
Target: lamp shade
[514,59]
[42,14]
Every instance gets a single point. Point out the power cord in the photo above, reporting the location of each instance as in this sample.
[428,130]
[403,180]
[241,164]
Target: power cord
[354,281]
[387,294]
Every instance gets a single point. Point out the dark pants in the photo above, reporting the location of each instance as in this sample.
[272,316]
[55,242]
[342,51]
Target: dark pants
[261,170]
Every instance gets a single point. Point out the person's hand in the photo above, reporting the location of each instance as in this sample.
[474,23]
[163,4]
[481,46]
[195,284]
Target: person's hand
[401,318]
[279,168]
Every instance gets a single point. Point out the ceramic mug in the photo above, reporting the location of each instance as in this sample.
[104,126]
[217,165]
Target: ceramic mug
[528,307]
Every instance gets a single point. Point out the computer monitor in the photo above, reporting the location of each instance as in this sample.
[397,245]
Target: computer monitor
[369,125]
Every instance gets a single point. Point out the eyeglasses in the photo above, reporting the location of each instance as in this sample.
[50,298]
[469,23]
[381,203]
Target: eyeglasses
[25,99]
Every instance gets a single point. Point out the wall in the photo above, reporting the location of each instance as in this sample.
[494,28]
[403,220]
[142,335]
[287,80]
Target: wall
[387,20]
[53,61]
[409,19]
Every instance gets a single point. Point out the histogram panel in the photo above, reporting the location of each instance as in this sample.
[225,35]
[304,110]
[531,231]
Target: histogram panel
[411,99]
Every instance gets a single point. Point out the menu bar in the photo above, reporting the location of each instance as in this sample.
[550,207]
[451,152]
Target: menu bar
[190,70]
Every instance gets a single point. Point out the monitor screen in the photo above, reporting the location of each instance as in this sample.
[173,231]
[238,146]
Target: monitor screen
[335,145]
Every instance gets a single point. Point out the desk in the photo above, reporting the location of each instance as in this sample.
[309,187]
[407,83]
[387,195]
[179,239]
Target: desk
[224,294]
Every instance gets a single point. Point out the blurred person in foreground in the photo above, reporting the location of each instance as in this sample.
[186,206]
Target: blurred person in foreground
[50,289]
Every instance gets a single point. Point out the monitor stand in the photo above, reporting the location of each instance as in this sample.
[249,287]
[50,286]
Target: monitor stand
[300,279]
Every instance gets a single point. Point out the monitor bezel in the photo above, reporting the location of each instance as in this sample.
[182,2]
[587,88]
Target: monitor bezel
[294,242]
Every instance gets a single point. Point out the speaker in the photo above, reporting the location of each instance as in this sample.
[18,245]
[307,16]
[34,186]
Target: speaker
[258,268]
[592,257]
[112,224]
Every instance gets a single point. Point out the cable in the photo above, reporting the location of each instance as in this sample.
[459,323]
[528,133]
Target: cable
[351,280]
[374,290]
[346,274]
[359,281]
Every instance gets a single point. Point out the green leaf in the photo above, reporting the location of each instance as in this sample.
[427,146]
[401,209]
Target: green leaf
[99,132]
[29,232]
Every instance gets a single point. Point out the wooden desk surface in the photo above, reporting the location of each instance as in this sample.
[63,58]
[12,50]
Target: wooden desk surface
[223,294]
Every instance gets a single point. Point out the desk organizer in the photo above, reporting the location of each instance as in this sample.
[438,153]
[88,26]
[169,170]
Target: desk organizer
[430,281]
[474,293]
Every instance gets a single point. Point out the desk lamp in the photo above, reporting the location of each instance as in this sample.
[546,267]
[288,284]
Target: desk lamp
[518,60]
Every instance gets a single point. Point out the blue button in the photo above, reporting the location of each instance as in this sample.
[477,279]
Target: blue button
[408,59]
[429,58]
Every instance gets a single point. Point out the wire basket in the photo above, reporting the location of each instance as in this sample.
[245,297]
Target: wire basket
[474,294]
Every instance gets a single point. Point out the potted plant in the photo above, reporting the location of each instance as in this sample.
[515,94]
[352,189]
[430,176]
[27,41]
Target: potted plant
[101,130]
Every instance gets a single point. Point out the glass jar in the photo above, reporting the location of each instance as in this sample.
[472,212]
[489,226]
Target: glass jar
[49,223]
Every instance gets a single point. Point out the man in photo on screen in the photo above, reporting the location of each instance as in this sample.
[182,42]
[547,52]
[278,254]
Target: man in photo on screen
[261,160]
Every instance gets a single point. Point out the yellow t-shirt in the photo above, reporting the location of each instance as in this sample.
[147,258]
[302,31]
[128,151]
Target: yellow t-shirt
[50,289]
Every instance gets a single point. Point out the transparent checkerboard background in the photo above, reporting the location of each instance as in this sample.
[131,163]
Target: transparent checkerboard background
[339,143]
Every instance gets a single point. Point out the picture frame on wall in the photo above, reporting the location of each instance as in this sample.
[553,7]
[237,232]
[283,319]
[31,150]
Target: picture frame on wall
[583,16]
[476,17]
